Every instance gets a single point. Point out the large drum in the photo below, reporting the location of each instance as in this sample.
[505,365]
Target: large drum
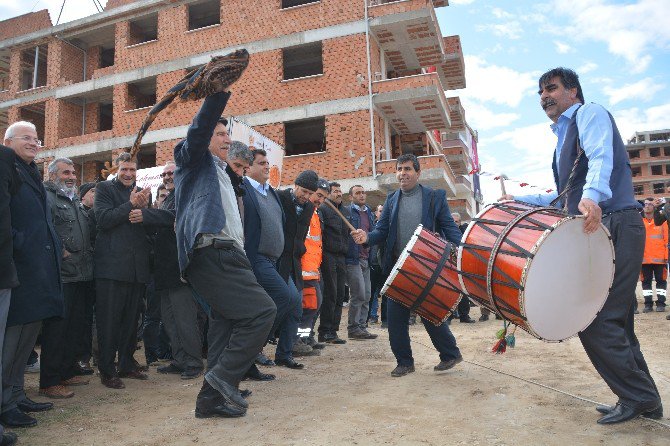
[424,279]
[535,267]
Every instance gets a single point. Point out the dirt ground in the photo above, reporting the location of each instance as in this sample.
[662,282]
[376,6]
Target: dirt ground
[346,396]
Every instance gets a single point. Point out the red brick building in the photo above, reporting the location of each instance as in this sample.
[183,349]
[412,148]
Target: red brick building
[344,85]
[649,154]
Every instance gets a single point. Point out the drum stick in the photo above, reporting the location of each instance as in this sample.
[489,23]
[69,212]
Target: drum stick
[344,219]
[502,185]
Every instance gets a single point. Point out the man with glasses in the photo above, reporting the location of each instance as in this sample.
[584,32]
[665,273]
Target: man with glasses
[37,257]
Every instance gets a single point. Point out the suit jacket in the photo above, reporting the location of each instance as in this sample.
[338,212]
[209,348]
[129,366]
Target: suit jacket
[37,252]
[122,248]
[9,185]
[199,209]
[294,237]
[252,220]
[439,221]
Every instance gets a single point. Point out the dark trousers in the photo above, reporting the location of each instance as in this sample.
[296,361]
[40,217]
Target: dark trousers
[398,325]
[241,312]
[179,313]
[334,274]
[463,307]
[154,346]
[116,309]
[84,340]
[610,340]
[376,284]
[16,348]
[60,337]
[658,272]
[288,301]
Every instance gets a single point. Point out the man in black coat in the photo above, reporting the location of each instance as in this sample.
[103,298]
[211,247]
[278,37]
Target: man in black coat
[9,185]
[298,210]
[122,269]
[37,256]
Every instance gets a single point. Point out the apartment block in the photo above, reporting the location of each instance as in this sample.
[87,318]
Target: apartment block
[649,154]
[344,85]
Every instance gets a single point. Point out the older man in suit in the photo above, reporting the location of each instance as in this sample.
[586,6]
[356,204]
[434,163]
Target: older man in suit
[37,256]
[210,248]
[404,210]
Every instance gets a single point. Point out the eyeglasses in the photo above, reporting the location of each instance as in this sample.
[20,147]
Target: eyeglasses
[27,138]
[167,174]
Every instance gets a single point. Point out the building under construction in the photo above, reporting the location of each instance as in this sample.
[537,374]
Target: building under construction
[649,154]
[344,85]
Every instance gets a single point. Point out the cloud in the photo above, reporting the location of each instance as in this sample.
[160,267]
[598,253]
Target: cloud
[511,30]
[630,30]
[501,14]
[482,118]
[461,2]
[497,84]
[642,90]
[563,48]
[633,120]
[71,10]
[587,68]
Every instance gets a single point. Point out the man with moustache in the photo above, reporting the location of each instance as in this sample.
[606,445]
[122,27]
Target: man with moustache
[264,236]
[593,175]
[59,369]
[37,253]
[121,270]
[298,210]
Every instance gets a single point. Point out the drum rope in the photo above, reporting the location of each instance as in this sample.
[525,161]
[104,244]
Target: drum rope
[530,381]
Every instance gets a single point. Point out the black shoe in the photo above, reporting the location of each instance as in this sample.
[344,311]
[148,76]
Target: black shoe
[660,308]
[467,320]
[83,368]
[315,345]
[246,393]
[230,394]
[169,369]
[448,364]
[668,317]
[622,413]
[402,370]
[655,414]
[211,403]
[290,363]
[331,339]
[28,405]
[483,318]
[256,375]
[648,309]
[263,360]
[17,418]
[191,373]
[8,439]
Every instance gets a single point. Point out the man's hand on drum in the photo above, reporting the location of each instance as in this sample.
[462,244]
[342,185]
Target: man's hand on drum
[593,214]
[359,236]
[506,197]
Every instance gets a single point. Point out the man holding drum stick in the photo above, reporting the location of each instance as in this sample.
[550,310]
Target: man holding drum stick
[404,210]
[593,178]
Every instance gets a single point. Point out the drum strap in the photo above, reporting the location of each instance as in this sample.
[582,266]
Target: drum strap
[433,279]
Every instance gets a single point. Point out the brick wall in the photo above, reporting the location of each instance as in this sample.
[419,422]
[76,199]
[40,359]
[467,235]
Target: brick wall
[25,24]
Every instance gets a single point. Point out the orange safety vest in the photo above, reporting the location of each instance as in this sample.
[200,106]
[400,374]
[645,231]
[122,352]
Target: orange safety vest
[656,244]
[311,260]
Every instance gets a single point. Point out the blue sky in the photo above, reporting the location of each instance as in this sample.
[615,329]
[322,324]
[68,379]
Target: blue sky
[620,48]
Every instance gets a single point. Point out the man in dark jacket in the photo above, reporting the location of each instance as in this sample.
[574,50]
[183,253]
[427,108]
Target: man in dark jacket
[121,270]
[333,267]
[9,185]
[298,210]
[58,368]
[179,311]
[37,254]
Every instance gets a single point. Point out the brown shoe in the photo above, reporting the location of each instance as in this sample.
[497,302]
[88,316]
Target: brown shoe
[134,374]
[75,381]
[113,382]
[57,392]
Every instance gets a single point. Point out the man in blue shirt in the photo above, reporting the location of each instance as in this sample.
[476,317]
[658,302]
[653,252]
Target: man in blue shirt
[593,177]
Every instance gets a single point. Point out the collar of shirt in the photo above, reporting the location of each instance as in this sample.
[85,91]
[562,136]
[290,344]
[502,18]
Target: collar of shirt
[560,128]
[359,208]
[219,162]
[261,188]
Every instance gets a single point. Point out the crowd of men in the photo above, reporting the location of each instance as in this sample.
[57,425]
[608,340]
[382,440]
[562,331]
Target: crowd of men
[226,264]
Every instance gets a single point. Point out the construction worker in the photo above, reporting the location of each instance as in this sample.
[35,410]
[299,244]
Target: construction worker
[654,263]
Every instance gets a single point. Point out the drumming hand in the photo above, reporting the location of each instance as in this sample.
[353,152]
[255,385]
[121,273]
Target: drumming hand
[506,197]
[359,236]
[593,214]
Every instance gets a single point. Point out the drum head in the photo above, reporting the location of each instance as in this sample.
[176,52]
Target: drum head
[568,280]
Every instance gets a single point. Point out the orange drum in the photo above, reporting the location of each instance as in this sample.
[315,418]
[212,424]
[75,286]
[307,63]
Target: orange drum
[535,267]
[424,279]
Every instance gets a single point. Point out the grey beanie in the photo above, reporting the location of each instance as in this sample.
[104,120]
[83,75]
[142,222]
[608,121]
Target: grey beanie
[308,179]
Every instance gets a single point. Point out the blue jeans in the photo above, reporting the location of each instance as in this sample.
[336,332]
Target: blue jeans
[398,326]
[288,301]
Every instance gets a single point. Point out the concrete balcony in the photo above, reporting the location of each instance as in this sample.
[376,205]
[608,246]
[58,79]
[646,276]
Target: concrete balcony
[462,206]
[457,153]
[408,33]
[456,113]
[452,70]
[413,104]
[435,173]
